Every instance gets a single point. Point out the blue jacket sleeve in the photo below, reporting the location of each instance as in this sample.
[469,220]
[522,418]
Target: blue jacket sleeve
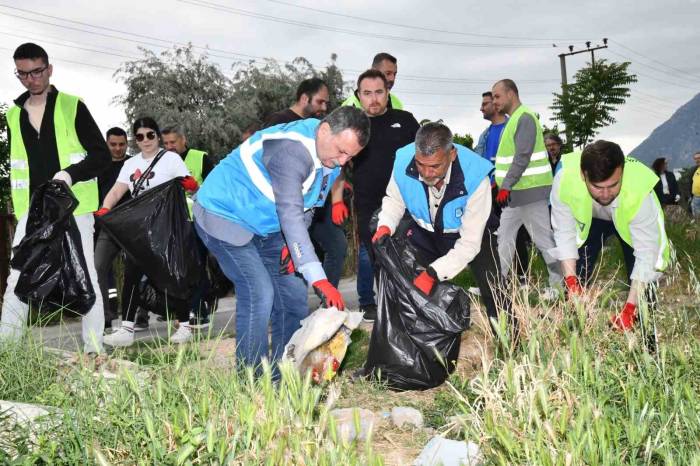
[289,164]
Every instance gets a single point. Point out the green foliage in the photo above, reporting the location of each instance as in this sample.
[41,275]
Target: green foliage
[181,88]
[465,139]
[4,159]
[590,102]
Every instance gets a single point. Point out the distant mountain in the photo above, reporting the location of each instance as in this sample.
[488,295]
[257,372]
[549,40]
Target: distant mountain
[677,139]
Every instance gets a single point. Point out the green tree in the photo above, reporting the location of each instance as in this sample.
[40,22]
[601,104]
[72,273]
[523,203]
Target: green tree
[179,87]
[465,139]
[590,102]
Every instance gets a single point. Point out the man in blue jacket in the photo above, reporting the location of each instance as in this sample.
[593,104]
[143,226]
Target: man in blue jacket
[445,188]
[253,212]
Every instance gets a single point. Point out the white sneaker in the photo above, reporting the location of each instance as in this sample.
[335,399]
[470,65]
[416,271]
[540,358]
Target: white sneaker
[182,335]
[474,290]
[123,336]
[549,294]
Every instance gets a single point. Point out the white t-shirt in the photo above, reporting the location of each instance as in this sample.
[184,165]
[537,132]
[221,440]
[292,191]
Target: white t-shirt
[168,167]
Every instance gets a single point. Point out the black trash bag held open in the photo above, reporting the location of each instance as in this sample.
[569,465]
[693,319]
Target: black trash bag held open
[50,258]
[415,340]
[155,232]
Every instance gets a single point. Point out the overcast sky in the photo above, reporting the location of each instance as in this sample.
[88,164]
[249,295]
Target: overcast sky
[448,52]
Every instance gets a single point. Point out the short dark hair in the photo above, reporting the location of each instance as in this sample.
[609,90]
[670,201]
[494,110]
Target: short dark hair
[487,94]
[382,56]
[115,131]
[372,74]
[433,136]
[554,137]
[600,159]
[349,117]
[310,87]
[658,165]
[31,51]
[146,122]
[173,129]
[509,84]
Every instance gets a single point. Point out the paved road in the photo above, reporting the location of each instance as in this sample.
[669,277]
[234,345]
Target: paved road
[67,335]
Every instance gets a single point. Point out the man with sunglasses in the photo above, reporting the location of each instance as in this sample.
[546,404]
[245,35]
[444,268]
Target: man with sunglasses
[52,136]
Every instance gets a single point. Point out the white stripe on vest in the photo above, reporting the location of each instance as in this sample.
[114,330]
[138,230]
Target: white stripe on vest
[528,172]
[248,151]
[509,160]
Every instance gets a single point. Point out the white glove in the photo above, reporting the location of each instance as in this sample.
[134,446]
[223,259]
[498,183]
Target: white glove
[64,176]
[678,197]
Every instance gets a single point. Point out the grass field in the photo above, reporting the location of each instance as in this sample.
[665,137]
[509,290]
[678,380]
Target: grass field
[571,393]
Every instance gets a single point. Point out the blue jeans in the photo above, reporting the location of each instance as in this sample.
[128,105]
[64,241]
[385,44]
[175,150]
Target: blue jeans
[695,206]
[365,277]
[262,294]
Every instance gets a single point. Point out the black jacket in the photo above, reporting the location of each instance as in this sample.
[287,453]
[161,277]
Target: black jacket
[667,199]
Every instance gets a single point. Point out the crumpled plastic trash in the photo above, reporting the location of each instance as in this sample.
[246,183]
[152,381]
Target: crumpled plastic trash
[320,344]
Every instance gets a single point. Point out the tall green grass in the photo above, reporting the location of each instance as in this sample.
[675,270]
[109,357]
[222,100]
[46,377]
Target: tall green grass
[180,412]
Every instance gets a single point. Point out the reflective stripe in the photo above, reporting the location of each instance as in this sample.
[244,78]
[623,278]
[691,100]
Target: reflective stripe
[450,230]
[19,184]
[663,240]
[421,223]
[530,171]
[248,151]
[18,164]
[509,160]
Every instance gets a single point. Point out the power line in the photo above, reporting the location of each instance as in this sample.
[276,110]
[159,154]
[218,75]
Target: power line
[320,27]
[658,70]
[695,77]
[418,28]
[22,36]
[209,50]
[54,58]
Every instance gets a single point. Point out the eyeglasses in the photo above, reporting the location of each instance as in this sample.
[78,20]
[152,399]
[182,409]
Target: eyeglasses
[35,73]
[151,135]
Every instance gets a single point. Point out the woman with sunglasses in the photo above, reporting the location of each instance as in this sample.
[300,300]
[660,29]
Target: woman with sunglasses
[140,174]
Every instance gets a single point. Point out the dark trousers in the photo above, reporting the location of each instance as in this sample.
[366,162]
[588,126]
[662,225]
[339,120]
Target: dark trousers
[106,251]
[588,253]
[332,241]
[486,269]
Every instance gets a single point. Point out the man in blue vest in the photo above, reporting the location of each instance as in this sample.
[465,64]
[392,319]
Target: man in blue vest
[71,149]
[253,212]
[446,189]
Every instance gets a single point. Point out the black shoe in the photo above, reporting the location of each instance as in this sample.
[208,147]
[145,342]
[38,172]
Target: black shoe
[370,311]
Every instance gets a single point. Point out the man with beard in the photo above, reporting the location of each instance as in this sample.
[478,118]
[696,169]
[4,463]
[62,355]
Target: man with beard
[599,193]
[391,129]
[312,101]
[387,65]
[553,143]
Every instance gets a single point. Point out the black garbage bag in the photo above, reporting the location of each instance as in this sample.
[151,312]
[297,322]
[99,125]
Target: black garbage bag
[415,340]
[154,230]
[219,284]
[50,259]
[160,303]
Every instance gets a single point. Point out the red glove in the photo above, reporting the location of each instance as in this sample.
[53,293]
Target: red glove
[101,212]
[339,212]
[502,196]
[573,286]
[190,184]
[330,296]
[381,232]
[425,282]
[286,262]
[626,319]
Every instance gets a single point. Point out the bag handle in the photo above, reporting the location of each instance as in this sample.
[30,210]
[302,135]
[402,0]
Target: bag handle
[144,175]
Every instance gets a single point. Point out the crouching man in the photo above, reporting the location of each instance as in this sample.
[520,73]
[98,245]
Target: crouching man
[446,189]
[599,193]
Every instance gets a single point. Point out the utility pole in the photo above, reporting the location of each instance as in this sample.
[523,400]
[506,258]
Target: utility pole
[562,65]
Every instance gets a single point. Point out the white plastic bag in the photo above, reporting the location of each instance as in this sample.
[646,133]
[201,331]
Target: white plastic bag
[321,342]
